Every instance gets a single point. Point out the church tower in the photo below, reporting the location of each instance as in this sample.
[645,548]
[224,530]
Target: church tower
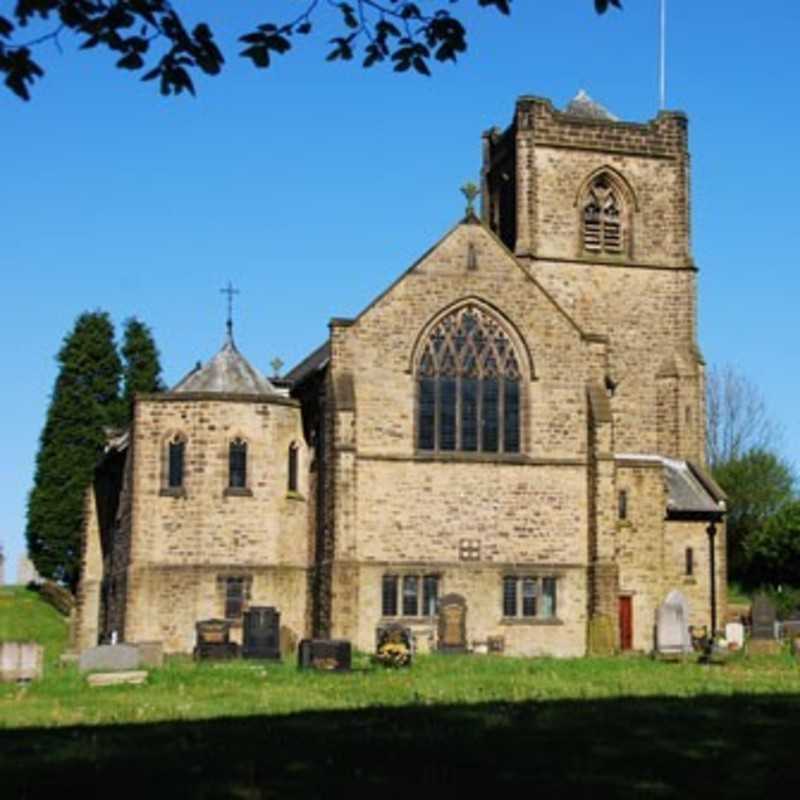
[598,211]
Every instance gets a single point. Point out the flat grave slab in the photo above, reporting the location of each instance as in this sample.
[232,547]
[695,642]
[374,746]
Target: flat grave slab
[134,677]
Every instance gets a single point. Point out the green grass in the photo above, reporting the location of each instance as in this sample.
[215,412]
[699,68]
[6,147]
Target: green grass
[617,727]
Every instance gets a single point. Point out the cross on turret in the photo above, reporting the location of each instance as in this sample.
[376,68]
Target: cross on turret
[230,291]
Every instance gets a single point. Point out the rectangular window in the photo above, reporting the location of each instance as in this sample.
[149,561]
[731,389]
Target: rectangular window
[427,413]
[689,561]
[447,414]
[430,595]
[389,596]
[414,589]
[548,606]
[509,597]
[410,596]
[622,511]
[528,597]
[234,598]
[538,596]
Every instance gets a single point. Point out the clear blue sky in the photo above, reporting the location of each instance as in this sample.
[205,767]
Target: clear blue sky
[312,186]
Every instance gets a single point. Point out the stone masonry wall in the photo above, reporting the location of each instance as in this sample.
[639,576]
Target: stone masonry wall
[396,507]
[184,540]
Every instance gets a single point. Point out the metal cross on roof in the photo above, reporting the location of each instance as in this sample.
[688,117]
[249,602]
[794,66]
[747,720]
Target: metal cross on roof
[230,291]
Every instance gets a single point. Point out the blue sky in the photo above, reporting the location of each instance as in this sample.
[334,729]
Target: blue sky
[312,185]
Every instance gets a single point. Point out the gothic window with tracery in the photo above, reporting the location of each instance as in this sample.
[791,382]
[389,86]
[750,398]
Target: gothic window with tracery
[602,218]
[468,383]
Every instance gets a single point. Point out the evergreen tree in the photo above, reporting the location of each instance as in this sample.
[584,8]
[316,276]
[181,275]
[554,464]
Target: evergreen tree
[142,368]
[84,402]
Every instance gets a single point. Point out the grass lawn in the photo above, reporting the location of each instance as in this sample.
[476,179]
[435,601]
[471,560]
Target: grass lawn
[623,727]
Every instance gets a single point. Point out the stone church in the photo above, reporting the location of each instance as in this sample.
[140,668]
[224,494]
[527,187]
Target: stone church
[517,421]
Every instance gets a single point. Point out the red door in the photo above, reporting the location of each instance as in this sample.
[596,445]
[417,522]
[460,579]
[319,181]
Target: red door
[626,622]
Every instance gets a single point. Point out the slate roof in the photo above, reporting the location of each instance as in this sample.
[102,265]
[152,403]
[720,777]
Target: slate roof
[690,490]
[583,106]
[228,372]
[311,363]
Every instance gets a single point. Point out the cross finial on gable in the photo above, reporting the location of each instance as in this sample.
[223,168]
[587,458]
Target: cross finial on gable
[470,191]
[230,291]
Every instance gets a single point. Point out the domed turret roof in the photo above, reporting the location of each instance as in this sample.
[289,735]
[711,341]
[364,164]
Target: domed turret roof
[228,372]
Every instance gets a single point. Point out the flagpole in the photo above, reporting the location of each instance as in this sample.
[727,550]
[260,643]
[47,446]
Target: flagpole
[662,61]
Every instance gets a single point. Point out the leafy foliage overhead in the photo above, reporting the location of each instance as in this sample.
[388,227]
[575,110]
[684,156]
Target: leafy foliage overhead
[151,35]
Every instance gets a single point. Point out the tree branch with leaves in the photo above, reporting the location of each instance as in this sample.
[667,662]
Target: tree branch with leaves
[152,37]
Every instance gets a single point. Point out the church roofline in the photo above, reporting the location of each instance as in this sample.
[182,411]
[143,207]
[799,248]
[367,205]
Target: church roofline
[228,397]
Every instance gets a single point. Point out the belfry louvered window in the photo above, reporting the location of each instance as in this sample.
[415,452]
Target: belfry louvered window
[602,218]
[468,383]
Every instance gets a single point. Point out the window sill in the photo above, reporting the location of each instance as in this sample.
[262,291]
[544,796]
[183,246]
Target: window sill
[295,496]
[172,491]
[398,620]
[238,491]
[531,621]
[469,455]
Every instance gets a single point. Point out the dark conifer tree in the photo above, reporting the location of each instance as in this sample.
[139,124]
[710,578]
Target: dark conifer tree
[85,401]
[141,368]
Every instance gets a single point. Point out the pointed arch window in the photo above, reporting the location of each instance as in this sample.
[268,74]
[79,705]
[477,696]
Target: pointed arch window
[176,457]
[237,464]
[602,217]
[468,384]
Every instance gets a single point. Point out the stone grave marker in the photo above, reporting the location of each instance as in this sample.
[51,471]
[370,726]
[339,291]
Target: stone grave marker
[110,658]
[764,617]
[453,624]
[20,661]
[734,635]
[261,634]
[213,640]
[393,645]
[329,655]
[672,625]
[151,654]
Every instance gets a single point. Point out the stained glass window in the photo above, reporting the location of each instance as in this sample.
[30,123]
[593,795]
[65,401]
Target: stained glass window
[468,380]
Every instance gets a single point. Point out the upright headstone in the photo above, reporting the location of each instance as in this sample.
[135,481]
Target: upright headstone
[734,635]
[393,645]
[672,625]
[26,572]
[453,624]
[261,635]
[764,615]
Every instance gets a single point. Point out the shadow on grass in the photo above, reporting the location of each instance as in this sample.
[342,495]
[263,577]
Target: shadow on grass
[732,747]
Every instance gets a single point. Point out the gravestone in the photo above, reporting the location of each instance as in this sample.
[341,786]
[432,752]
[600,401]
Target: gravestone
[734,635]
[213,640]
[261,634]
[672,625]
[151,654]
[110,658]
[453,624]
[20,661]
[393,644]
[764,617]
[329,655]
